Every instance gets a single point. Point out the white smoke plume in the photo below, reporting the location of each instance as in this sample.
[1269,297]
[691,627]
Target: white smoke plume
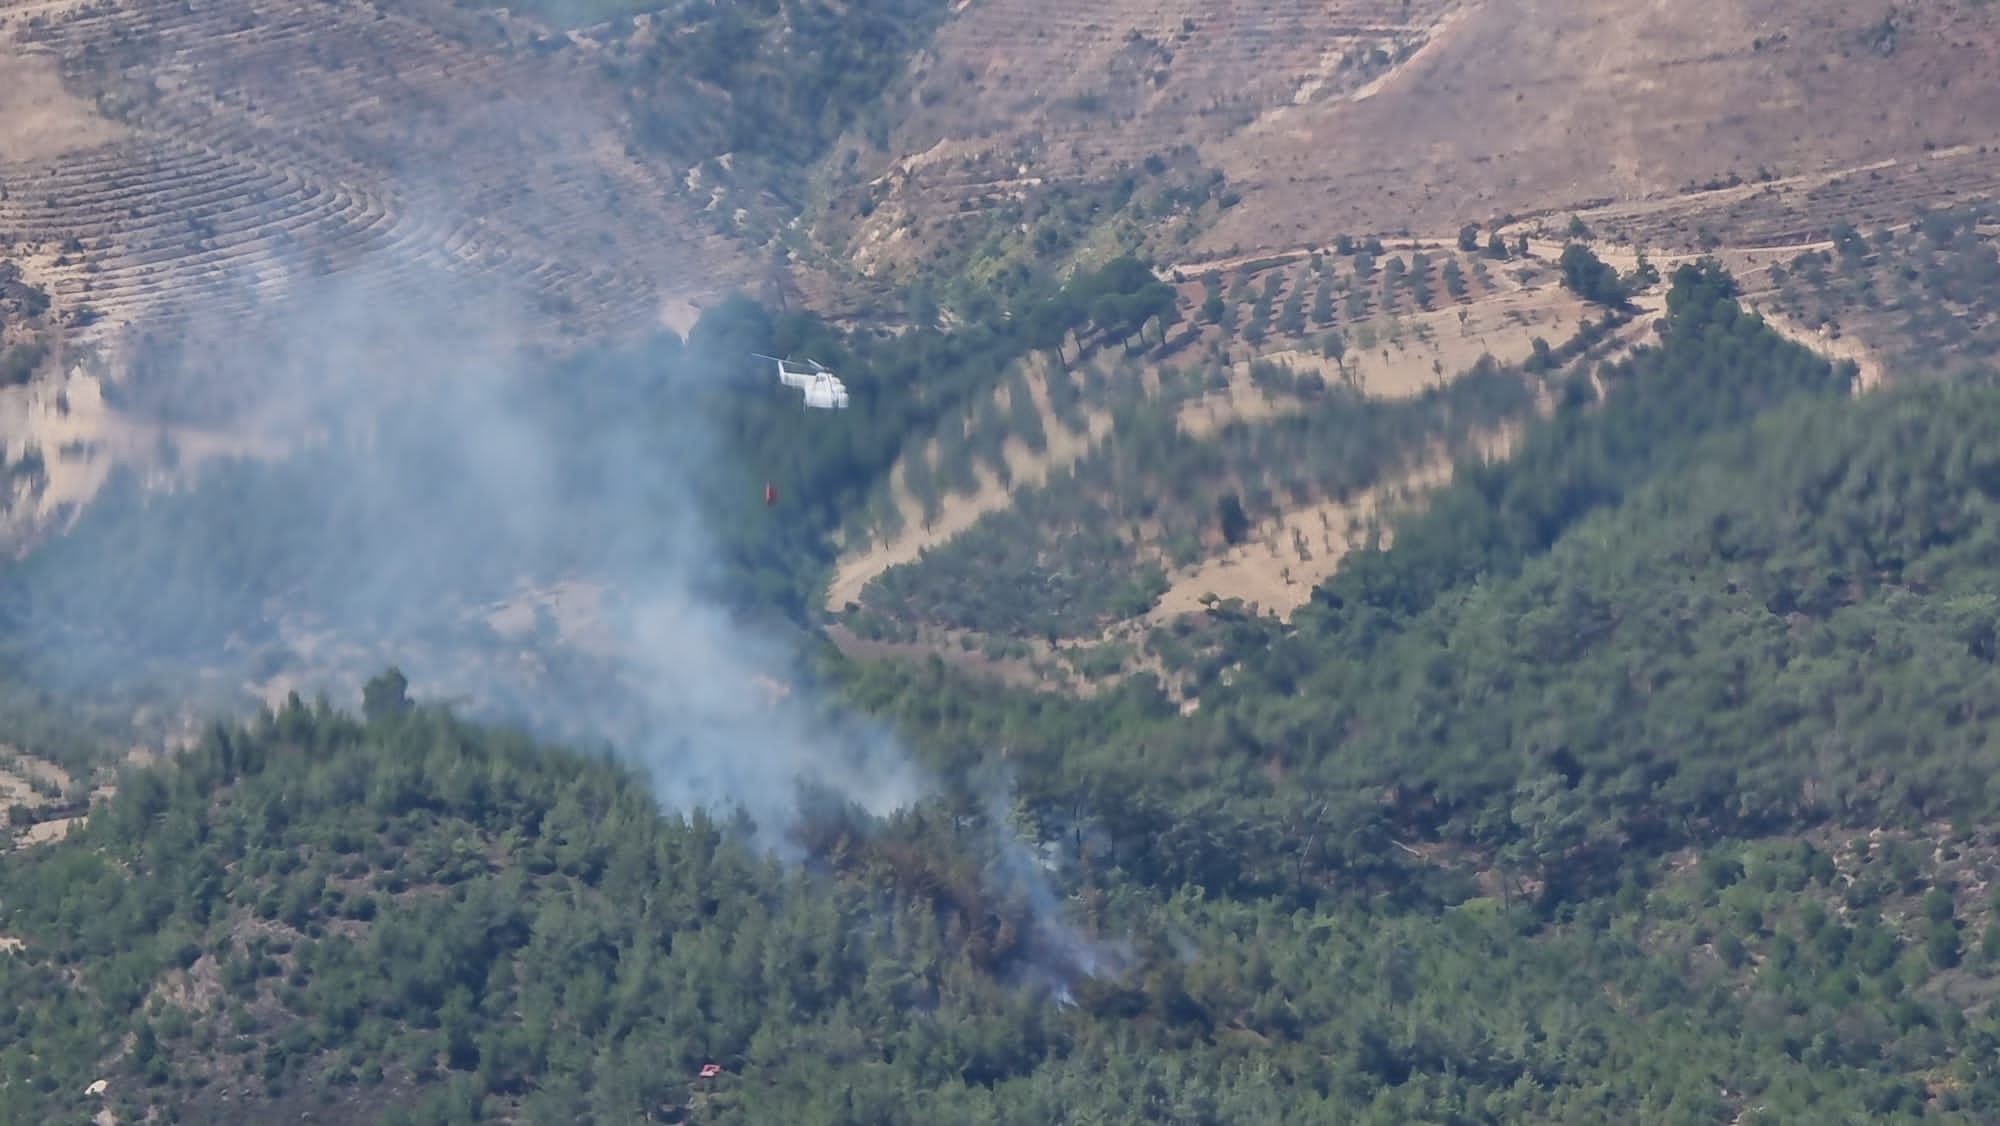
[437,471]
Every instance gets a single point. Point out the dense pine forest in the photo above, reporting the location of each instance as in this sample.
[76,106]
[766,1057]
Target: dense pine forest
[1641,777]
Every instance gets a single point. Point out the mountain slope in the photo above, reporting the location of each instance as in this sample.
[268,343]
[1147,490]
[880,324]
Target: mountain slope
[1549,808]
[223,154]
[408,920]
[1749,121]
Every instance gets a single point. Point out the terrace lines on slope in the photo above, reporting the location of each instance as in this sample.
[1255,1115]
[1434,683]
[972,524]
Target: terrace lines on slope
[242,95]
[1503,321]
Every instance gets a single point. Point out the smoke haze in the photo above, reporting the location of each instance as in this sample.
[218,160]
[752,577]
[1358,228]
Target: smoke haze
[441,471]
[455,505]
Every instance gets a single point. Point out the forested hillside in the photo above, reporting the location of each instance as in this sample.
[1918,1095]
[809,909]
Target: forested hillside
[1473,659]
[1641,778]
[405,920]
[1301,622]
[796,74]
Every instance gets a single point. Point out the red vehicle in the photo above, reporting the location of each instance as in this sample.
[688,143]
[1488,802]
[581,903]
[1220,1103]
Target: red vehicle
[770,494]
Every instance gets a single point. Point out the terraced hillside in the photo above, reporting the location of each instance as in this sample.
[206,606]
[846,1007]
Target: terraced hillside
[1925,294]
[1016,96]
[1740,122]
[218,151]
[1318,397]
[205,154]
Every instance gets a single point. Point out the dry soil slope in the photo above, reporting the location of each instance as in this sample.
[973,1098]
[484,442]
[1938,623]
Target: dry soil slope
[1173,70]
[264,141]
[1524,105]
[1013,94]
[1494,107]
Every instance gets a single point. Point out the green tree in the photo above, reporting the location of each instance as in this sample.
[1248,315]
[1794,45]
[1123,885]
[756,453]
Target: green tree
[1322,310]
[1231,519]
[1333,345]
[1589,278]
[385,695]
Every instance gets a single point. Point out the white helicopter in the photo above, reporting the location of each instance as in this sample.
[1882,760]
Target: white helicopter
[822,388]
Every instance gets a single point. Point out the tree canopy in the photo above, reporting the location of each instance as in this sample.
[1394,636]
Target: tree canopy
[1612,788]
[1588,276]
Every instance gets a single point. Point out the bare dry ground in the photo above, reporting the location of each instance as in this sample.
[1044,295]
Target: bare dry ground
[21,774]
[258,139]
[27,781]
[1867,363]
[1423,350]
[221,172]
[257,142]
[80,439]
[39,119]
[1522,107]
[1291,553]
[1745,121]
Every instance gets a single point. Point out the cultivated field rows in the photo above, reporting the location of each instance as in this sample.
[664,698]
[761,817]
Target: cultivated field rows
[211,209]
[1274,46]
[1807,210]
[1482,279]
[277,141]
[1471,111]
[1043,86]
[1395,351]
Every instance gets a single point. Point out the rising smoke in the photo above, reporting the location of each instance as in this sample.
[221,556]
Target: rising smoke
[440,470]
